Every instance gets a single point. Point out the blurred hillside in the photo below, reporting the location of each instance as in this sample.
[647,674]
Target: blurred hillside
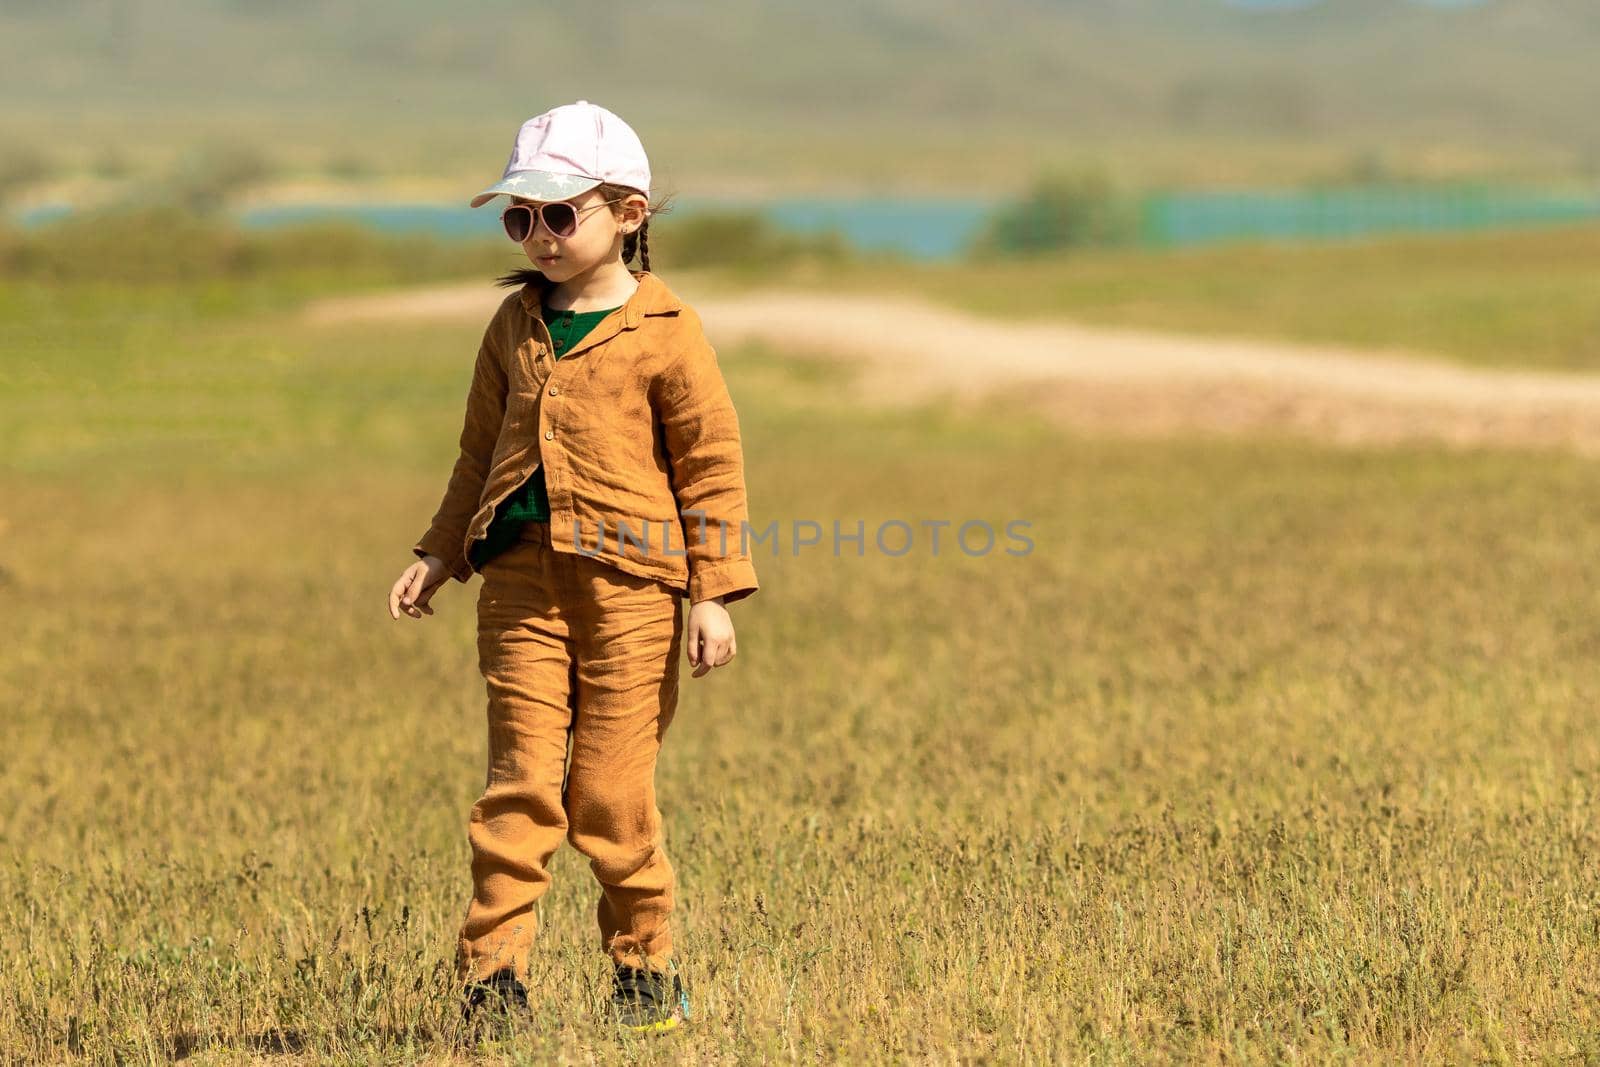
[929,93]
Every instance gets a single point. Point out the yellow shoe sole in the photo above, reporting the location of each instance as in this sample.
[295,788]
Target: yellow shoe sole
[659,1027]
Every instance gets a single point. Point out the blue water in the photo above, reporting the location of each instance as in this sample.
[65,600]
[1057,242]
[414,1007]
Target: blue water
[1200,218]
[38,216]
[920,228]
[435,220]
[941,228]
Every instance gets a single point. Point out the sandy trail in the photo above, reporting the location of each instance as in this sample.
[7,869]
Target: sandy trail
[1138,381]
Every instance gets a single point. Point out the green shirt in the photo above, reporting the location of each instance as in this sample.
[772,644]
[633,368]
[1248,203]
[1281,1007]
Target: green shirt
[529,502]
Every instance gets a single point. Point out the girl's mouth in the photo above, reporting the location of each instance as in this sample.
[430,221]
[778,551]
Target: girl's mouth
[545,261]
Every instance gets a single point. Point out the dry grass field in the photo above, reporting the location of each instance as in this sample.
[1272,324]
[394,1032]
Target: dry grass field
[1268,751]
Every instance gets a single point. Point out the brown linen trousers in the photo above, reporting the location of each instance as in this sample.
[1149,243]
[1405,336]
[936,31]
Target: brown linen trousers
[571,648]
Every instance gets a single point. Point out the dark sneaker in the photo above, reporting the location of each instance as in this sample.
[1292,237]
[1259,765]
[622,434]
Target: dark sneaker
[648,1001]
[500,996]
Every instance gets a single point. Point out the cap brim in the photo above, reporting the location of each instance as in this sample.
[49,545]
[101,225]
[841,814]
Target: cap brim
[536,185]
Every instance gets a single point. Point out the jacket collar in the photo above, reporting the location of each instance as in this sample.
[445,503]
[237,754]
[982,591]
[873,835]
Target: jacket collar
[652,297]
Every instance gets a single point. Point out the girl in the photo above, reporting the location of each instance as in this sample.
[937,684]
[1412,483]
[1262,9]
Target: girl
[596,420]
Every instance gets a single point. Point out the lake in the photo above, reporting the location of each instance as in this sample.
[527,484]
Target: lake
[935,228]
[919,228]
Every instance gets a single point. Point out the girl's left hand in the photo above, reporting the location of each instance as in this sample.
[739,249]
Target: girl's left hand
[709,634]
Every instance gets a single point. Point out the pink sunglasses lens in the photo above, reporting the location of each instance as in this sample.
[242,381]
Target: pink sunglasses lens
[561,218]
[518,223]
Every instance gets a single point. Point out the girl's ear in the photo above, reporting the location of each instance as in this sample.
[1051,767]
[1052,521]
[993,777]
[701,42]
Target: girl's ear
[633,212]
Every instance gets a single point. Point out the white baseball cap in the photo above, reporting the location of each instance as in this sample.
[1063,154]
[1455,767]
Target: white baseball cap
[569,150]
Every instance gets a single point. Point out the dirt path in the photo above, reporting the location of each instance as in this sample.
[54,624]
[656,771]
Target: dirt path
[1109,378]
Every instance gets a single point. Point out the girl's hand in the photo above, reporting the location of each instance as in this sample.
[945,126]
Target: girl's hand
[416,587]
[709,634]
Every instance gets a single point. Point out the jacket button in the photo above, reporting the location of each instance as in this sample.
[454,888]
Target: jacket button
[549,435]
[553,390]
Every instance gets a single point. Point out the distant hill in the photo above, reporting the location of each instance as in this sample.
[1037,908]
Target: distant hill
[1386,74]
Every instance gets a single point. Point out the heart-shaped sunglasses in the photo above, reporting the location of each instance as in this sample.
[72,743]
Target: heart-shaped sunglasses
[560,218]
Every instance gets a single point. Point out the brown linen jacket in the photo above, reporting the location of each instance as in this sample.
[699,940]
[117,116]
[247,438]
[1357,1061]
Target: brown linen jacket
[638,435]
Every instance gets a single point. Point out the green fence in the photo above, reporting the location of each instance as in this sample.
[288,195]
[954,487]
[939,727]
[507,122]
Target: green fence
[1175,219]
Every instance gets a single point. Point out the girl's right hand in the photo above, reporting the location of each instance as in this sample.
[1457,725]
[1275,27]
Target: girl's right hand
[416,587]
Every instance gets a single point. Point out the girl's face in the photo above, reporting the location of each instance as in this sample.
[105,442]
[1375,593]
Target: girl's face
[596,242]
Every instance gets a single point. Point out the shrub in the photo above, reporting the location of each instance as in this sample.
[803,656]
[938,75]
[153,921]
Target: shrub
[740,240]
[164,243]
[1061,211]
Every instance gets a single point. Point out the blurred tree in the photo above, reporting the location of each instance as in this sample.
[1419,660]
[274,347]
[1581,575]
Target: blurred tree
[740,239]
[1060,211]
[206,179]
[1368,166]
[22,168]
[113,163]
[349,166]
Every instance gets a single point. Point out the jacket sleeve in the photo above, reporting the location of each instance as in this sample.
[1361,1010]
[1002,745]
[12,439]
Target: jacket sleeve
[700,430]
[486,405]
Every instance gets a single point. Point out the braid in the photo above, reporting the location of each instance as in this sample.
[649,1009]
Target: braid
[638,242]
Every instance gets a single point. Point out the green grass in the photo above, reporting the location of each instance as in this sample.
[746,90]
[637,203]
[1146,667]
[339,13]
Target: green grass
[1266,752]
[1524,299]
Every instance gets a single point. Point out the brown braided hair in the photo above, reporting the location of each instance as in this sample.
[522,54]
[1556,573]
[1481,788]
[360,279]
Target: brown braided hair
[635,243]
